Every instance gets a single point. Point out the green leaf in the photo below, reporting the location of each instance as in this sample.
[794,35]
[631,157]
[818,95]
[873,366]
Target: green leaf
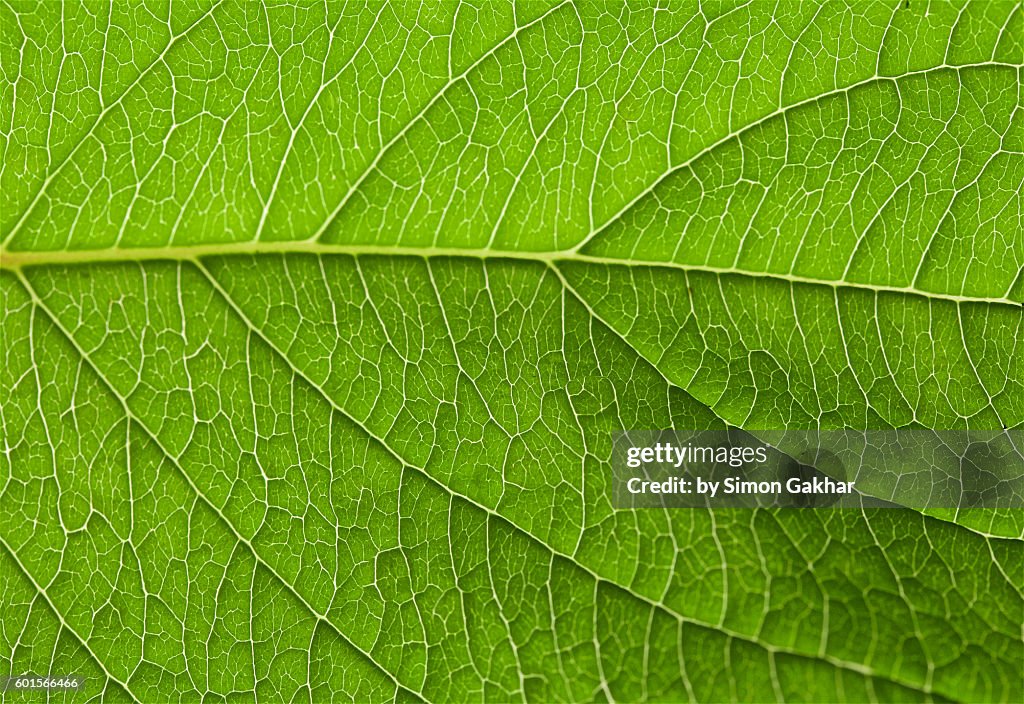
[318,321]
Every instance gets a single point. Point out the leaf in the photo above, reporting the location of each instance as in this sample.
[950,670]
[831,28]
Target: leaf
[318,322]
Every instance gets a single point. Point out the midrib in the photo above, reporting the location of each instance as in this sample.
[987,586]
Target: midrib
[18,259]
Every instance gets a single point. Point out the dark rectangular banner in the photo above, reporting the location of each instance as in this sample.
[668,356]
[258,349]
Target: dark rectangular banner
[914,468]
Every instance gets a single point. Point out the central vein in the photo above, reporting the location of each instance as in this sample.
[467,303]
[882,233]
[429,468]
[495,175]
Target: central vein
[14,260]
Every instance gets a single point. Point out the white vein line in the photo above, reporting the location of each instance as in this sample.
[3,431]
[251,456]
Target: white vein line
[710,405]
[64,624]
[689,161]
[372,166]
[130,415]
[99,118]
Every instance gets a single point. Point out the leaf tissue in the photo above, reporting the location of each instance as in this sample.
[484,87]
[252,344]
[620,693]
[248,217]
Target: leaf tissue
[319,320]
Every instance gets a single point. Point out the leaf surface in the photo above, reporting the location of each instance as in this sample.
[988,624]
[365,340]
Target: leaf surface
[318,322]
